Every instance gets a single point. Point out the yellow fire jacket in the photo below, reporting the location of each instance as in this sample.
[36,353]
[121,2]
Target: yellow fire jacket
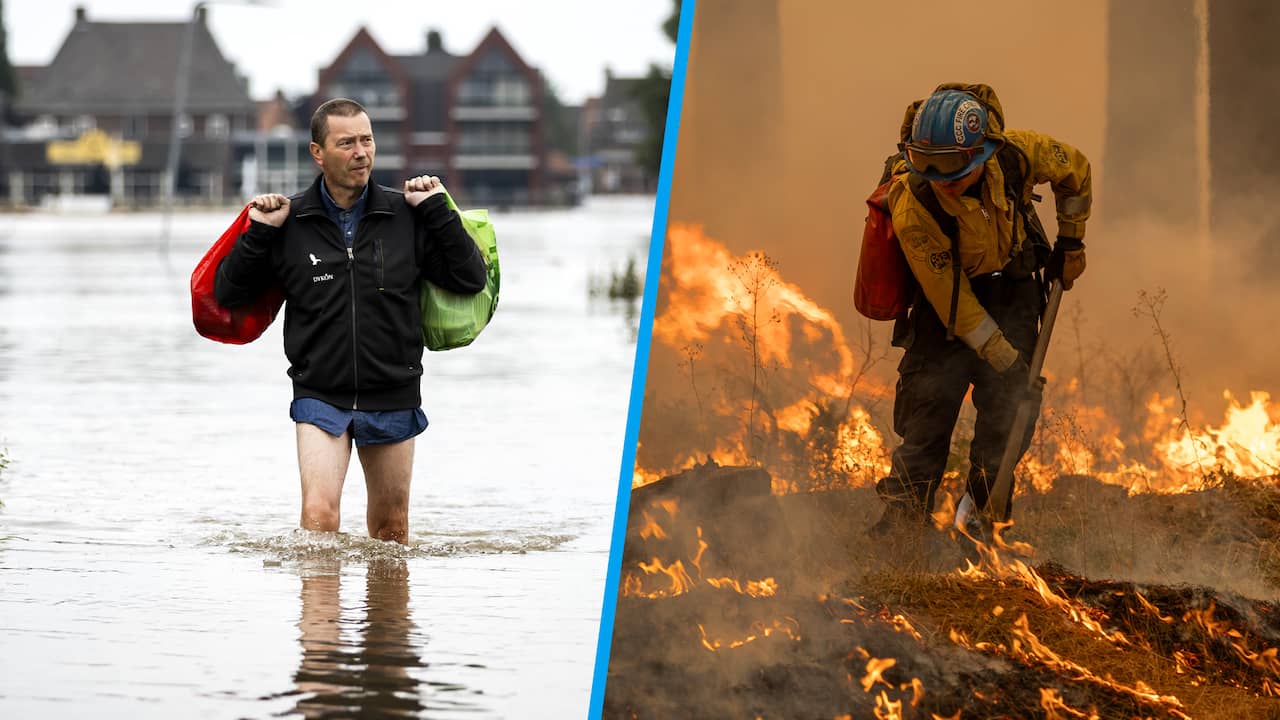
[987,236]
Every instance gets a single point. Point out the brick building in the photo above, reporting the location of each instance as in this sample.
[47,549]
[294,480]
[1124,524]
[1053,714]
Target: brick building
[476,119]
[103,85]
[613,130]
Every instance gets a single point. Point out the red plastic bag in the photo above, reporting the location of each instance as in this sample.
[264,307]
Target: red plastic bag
[243,324]
[884,286]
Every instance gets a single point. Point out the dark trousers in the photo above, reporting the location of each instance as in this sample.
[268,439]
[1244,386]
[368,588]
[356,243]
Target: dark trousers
[934,376]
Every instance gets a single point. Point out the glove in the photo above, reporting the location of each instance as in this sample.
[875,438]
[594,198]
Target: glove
[999,353]
[1018,370]
[1066,261]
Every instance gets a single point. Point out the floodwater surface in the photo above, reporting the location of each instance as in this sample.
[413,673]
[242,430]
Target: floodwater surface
[150,564]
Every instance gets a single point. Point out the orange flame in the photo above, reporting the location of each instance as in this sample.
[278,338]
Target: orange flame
[804,349]
[875,672]
[681,581]
[917,691]
[993,565]
[703,293]
[788,626]
[651,528]
[1028,648]
[767,587]
[789,353]
[1264,660]
[1056,708]
[887,709]
[1246,444]
[641,477]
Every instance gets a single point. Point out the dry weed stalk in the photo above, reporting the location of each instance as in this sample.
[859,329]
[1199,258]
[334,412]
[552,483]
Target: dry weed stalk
[1150,306]
[692,353]
[757,273]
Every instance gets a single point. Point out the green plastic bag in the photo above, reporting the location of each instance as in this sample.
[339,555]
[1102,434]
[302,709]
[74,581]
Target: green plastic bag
[450,320]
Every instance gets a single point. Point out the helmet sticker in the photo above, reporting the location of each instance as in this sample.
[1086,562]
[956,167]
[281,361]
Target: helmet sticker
[967,118]
[972,122]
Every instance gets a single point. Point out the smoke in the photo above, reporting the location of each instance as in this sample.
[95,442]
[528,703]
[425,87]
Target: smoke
[837,77]
[789,112]
[791,108]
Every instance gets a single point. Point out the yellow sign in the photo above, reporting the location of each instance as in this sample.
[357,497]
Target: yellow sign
[94,147]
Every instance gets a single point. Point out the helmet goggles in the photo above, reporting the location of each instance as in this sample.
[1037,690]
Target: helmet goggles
[943,163]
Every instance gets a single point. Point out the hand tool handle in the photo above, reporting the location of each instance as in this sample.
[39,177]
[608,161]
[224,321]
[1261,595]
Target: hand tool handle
[1002,491]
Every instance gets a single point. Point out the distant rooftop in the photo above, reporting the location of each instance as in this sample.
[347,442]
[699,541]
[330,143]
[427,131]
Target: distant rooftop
[428,75]
[131,67]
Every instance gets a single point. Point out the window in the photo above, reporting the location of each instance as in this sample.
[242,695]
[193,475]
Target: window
[495,139]
[216,126]
[364,80]
[82,124]
[386,137]
[134,127]
[494,82]
[184,125]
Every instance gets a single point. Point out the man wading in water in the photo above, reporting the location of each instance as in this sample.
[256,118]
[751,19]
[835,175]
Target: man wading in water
[351,256]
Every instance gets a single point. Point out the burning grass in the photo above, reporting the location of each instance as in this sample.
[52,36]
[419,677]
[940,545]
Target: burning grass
[913,629]
[746,370]
[759,595]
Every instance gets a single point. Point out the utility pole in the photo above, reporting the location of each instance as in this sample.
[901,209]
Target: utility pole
[182,83]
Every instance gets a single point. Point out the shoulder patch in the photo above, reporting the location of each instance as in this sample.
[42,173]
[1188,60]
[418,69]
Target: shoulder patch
[939,261]
[1059,154]
[916,242]
[917,239]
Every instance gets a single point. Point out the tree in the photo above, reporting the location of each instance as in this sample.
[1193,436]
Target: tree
[8,78]
[653,93]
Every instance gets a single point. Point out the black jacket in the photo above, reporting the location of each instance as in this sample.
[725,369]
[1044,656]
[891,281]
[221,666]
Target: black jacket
[352,320]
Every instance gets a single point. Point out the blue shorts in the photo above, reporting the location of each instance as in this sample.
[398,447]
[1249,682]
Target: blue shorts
[367,427]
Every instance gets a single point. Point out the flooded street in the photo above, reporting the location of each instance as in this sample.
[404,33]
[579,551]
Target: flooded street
[149,561]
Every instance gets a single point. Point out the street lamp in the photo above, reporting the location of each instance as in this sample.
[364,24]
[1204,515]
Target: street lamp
[182,82]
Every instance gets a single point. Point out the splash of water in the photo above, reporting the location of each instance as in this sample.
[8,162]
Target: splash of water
[308,545]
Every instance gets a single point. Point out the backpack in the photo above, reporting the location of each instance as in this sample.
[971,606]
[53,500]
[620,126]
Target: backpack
[451,320]
[885,288]
[240,325]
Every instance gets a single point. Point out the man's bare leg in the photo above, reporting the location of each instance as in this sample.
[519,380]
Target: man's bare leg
[322,463]
[387,471]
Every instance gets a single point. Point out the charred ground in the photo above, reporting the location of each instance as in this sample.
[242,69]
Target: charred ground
[848,627]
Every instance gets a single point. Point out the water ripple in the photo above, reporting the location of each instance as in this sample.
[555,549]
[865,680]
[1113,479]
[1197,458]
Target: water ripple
[299,544]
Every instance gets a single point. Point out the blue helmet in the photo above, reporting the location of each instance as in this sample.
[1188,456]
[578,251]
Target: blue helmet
[948,136]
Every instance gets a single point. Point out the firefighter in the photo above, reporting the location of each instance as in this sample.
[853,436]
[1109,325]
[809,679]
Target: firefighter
[962,213]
